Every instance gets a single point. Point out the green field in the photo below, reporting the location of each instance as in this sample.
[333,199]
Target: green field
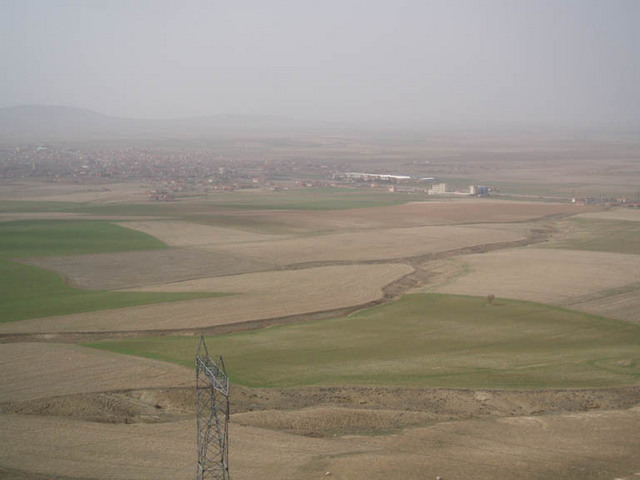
[21,206]
[30,292]
[311,199]
[616,236]
[69,237]
[424,340]
[152,209]
[294,199]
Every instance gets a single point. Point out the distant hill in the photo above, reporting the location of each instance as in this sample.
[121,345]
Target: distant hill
[40,122]
[58,123]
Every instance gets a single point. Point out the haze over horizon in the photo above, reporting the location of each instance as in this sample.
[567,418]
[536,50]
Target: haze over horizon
[567,62]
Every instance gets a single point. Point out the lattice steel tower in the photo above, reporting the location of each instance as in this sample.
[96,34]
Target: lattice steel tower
[212,398]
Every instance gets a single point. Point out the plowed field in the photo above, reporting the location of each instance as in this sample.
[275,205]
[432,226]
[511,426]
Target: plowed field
[371,245]
[39,370]
[186,234]
[541,275]
[624,305]
[108,271]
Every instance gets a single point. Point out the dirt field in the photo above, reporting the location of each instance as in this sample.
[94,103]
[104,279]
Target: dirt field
[415,214]
[305,433]
[260,295]
[624,305]
[12,217]
[590,445]
[31,371]
[185,234]
[626,214]
[331,411]
[381,244]
[109,271]
[576,446]
[353,246]
[234,256]
[312,282]
[548,276]
[69,192]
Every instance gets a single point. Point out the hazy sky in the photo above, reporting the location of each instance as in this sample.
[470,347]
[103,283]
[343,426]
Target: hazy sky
[450,62]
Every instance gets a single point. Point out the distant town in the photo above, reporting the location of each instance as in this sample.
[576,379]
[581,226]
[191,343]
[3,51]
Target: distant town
[171,173]
[176,171]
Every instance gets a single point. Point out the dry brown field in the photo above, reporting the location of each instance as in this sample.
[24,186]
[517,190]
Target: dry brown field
[625,214]
[623,306]
[30,371]
[392,243]
[433,212]
[587,445]
[26,190]
[559,277]
[177,233]
[108,271]
[12,217]
[358,280]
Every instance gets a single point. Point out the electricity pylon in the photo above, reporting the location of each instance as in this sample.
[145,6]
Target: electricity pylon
[212,398]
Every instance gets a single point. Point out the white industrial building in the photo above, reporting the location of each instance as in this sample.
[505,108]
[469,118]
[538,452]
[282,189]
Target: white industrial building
[438,189]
